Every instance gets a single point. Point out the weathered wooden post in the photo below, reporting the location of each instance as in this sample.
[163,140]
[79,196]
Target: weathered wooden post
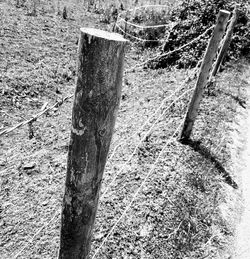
[97,97]
[226,41]
[204,74]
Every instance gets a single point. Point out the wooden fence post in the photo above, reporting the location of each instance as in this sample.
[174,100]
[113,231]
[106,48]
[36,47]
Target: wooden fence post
[97,97]
[226,41]
[204,74]
[126,26]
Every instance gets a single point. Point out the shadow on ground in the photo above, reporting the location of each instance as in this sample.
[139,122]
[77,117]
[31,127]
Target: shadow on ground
[203,151]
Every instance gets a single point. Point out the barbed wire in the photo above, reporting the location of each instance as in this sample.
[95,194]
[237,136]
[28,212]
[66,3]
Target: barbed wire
[59,103]
[137,38]
[148,120]
[170,52]
[143,27]
[218,147]
[171,139]
[141,140]
[190,77]
[34,118]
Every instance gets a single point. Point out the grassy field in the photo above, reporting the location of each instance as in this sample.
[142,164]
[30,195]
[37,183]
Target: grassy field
[189,206]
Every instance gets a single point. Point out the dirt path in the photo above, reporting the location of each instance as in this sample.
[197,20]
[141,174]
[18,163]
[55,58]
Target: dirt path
[243,235]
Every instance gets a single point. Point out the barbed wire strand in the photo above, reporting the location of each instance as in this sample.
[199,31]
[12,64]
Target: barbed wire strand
[59,103]
[190,77]
[218,147]
[141,26]
[58,210]
[34,118]
[137,38]
[171,139]
[44,226]
[141,7]
[170,52]
[50,221]
[141,140]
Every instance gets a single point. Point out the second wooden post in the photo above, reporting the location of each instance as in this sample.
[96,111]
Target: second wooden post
[97,97]
[203,77]
[226,42]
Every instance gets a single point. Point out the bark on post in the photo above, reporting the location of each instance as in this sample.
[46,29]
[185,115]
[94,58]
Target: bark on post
[97,97]
[226,41]
[203,77]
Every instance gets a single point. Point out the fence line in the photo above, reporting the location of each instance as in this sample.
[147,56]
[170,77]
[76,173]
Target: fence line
[218,147]
[171,139]
[137,38]
[141,140]
[134,197]
[157,110]
[34,118]
[143,27]
[57,211]
[170,52]
[59,103]
[131,202]
[140,26]
[203,77]
[190,77]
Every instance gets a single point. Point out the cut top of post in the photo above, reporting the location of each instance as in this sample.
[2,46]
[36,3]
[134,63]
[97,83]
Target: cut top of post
[92,32]
[223,14]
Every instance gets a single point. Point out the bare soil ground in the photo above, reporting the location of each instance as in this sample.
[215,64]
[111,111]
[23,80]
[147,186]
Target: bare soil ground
[188,206]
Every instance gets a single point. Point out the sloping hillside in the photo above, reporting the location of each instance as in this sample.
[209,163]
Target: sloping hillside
[189,205]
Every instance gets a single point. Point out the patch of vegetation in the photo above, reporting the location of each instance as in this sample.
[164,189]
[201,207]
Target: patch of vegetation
[193,18]
[186,22]
[146,16]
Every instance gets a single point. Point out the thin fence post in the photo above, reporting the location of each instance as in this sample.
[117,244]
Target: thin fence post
[126,26]
[226,41]
[204,74]
[96,101]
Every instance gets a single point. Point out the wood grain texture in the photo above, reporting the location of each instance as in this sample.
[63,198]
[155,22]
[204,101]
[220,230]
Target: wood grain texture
[97,97]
